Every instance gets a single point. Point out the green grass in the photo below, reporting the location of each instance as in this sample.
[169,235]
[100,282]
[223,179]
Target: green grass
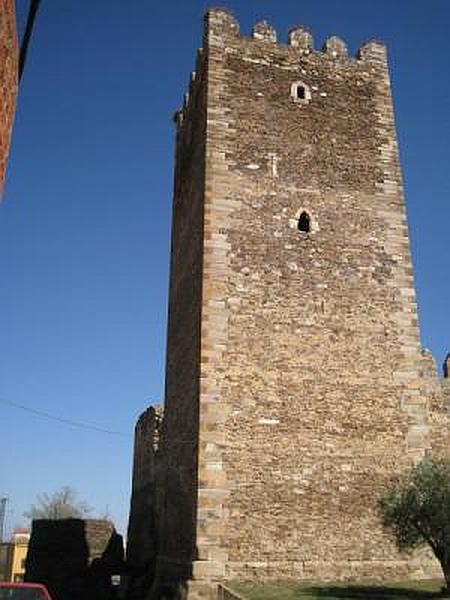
[288,591]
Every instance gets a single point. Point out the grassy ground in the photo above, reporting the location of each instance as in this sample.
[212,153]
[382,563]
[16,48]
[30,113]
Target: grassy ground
[405,591]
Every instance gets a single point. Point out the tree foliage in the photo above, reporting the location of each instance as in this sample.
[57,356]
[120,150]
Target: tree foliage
[62,504]
[416,509]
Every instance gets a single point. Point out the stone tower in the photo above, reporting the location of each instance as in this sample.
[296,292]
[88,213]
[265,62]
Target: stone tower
[295,380]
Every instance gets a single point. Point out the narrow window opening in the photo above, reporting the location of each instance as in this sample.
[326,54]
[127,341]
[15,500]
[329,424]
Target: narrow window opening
[304,223]
[301,92]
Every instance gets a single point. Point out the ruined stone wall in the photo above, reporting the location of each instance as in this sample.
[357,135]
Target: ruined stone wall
[74,558]
[311,387]
[437,390]
[8,80]
[142,539]
[445,436]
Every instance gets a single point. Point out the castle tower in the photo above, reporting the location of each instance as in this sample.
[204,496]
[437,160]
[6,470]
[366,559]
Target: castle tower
[294,385]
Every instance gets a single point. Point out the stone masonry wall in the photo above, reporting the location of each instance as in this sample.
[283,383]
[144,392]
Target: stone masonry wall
[142,538]
[311,388]
[8,80]
[296,386]
[179,436]
[437,391]
[445,436]
[74,558]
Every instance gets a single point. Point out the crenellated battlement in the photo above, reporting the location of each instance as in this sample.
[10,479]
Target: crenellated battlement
[221,25]
[180,114]
[430,367]
[222,36]
[301,37]
[335,47]
[265,32]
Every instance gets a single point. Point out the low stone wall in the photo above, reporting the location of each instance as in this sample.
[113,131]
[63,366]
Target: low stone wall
[74,558]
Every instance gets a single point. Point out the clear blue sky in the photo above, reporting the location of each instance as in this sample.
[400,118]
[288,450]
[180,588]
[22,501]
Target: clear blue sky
[85,222]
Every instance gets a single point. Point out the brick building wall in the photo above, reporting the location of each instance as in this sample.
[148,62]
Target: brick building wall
[8,80]
[296,384]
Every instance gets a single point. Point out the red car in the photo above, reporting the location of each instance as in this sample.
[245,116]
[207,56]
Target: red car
[23,591]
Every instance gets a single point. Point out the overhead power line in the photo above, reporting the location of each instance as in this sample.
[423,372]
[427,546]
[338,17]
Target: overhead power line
[34,5]
[46,415]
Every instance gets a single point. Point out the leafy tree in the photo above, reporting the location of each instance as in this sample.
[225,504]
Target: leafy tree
[62,504]
[416,509]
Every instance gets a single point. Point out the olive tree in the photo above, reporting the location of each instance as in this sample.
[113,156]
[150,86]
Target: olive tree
[416,509]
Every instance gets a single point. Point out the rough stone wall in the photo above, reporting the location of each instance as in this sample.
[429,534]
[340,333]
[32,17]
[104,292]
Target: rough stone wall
[296,386]
[437,390]
[142,539]
[8,79]
[74,558]
[179,436]
[445,408]
[311,388]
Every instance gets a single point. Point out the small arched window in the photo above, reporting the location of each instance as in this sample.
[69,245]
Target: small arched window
[304,223]
[300,92]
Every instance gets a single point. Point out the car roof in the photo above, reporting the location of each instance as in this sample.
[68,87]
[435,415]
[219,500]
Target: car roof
[22,585]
